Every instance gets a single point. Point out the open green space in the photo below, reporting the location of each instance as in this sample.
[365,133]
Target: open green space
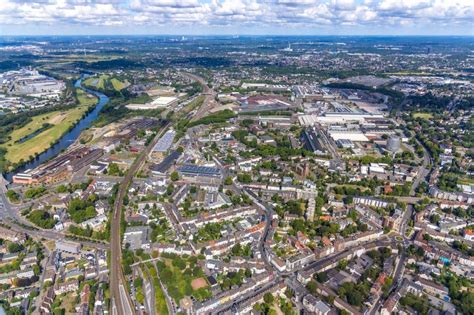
[60,122]
[423,115]
[117,84]
[105,82]
[96,82]
[41,218]
[178,273]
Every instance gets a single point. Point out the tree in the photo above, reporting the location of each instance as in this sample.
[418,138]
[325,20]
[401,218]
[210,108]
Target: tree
[174,176]
[61,189]
[81,210]
[14,247]
[114,170]
[12,195]
[322,277]
[137,283]
[312,287]
[342,264]
[244,178]
[228,181]
[268,298]
[42,218]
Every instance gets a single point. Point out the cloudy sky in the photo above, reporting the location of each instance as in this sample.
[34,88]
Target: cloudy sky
[259,17]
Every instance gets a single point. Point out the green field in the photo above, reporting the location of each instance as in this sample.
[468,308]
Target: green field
[61,121]
[423,115]
[97,82]
[117,84]
[105,82]
[178,274]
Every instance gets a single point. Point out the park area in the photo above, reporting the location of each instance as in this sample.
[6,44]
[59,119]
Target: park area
[45,129]
[182,277]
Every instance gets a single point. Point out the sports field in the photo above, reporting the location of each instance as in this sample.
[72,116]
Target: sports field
[61,121]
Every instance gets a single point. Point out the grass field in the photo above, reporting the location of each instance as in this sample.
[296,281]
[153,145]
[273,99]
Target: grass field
[117,84]
[96,82]
[61,121]
[103,81]
[362,188]
[68,303]
[423,115]
[85,99]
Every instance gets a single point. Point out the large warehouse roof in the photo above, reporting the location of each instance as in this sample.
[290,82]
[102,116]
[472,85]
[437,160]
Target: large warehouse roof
[165,142]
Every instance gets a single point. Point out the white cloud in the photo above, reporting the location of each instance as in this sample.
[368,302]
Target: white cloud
[237,13]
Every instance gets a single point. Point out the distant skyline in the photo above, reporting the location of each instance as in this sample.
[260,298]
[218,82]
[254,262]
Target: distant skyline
[236,17]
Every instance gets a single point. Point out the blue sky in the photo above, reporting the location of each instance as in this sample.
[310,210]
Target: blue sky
[257,17]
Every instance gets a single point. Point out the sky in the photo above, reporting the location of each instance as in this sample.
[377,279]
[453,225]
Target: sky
[237,17]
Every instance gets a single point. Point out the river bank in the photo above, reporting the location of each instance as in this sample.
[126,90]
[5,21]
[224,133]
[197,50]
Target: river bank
[69,137]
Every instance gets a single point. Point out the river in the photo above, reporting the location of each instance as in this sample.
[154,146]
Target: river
[69,137]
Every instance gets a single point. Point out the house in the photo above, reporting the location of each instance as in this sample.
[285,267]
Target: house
[315,305]
[12,236]
[299,260]
[73,274]
[27,273]
[390,304]
[278,263]
[47,301]
[67,286]
[433,288]
[469,234]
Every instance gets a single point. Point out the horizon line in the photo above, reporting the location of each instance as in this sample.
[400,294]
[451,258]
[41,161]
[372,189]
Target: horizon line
[253,35]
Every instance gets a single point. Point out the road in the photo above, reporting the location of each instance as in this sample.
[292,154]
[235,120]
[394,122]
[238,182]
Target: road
[268,222]
[399,269]
[406,217]
[120,297]
[9,214]
[149,291]
[232,307]
[423,170]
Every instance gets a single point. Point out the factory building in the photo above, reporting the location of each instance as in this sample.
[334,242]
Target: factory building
[60,168]
[190,170]
[311,141]
[164,144]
